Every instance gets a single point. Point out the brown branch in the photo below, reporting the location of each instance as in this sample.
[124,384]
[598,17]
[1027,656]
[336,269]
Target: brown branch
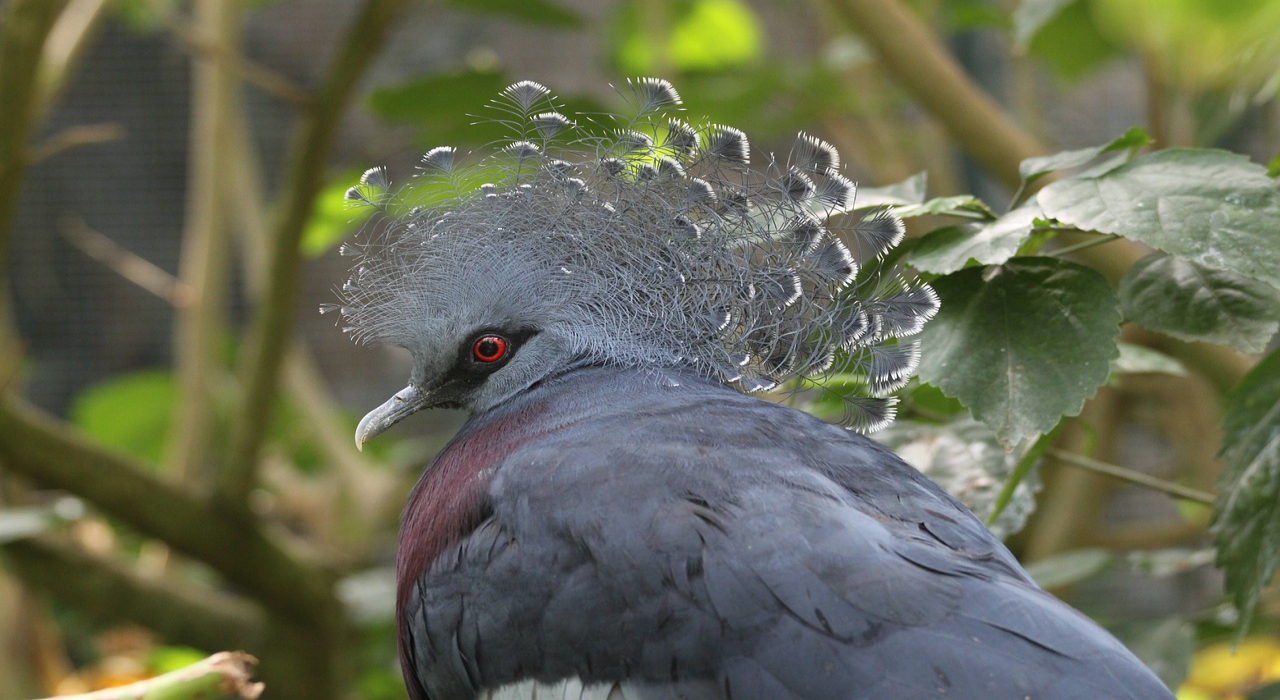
[262,77]
[110,593]
[273,324]
[42,448]
[74,137]
[126,263]
[1131,476]
[911,52]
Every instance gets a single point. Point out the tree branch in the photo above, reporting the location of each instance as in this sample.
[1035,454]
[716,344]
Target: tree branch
[227,673]
[110,593]
[206,247]
[911,52]
[26,26]
[273,323]
[41,448]
[1131,476]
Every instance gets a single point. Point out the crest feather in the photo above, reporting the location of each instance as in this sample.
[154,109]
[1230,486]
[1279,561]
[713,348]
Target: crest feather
[655,245]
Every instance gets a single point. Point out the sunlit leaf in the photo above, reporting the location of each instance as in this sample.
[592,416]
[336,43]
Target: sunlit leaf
[702,35]
[1213,207]
[1139,359]
[1199,45]
[333,218]
[1021,344]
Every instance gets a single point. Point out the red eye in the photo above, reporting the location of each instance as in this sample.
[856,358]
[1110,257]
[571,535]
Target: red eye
[489,348]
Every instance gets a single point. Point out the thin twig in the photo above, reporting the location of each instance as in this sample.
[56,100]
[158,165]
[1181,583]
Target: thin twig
[273,324]
[1086,244]
[125,263]
[911,52]
[74,137]
[256,74]
[65,47]
[1185,493]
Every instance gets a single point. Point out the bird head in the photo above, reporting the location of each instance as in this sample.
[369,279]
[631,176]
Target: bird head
[637,240]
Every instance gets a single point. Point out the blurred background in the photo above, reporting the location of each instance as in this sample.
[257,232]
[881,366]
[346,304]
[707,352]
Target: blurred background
[139,246]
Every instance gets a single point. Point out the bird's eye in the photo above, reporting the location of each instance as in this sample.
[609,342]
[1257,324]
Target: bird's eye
[489,348]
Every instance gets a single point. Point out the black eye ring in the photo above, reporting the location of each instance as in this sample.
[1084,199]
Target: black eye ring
[489,348]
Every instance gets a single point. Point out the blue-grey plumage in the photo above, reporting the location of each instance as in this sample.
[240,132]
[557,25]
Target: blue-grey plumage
[684,538]
[619,518]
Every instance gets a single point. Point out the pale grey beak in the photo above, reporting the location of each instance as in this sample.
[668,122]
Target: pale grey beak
[405,403]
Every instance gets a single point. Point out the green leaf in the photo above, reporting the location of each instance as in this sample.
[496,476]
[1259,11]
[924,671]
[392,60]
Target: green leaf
[1213,207]
[929,399]
[163,659]
[1070,45]
[438,105]
[1197,303]
[1021,344]
[1033,169]
[1022,471]
[949,249]
[333,218]
[703,35]
[538,12]
[1138,359]
[1030,16]
[958,205]
[1247,527]
[130,413]
[909,191]
[1273,167]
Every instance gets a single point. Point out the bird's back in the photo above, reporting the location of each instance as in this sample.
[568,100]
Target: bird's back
[645,536]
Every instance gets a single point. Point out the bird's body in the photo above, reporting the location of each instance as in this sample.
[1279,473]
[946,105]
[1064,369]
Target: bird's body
[688,541]
[620,519]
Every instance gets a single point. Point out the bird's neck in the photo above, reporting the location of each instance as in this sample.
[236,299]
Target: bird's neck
[450,499]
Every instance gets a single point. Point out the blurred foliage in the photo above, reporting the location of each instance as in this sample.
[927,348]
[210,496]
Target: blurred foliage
[131,413]
[671,35]
[1025,336]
